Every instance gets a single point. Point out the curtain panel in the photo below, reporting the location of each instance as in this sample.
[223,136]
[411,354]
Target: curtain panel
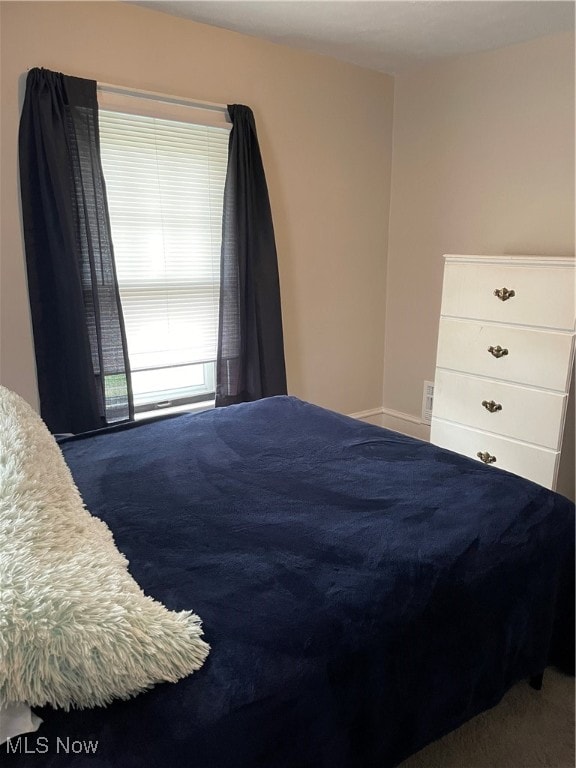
[79,337]
[250,363]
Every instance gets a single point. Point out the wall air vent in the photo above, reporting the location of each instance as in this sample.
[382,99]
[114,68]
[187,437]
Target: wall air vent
[427,402]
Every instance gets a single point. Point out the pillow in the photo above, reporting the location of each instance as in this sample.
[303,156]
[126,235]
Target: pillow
[76,630]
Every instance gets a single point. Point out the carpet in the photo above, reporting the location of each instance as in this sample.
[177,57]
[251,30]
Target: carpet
[527,729]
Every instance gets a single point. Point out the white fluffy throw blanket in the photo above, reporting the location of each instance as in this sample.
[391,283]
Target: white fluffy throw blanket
[76,630]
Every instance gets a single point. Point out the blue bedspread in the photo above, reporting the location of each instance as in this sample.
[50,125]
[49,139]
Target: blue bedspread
[363,592]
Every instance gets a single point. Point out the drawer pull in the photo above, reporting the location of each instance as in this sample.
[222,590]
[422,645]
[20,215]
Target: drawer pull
[486,458]
[497,351]
[491,406]
[504,294]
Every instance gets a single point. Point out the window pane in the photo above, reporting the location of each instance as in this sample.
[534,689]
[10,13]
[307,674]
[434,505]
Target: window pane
[165,183]
[169,384]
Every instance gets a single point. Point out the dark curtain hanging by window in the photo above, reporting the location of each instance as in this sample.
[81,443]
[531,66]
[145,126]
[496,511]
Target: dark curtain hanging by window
[250,362]
[79,338]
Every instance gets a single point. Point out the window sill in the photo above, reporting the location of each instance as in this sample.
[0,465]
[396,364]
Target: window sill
[206,405]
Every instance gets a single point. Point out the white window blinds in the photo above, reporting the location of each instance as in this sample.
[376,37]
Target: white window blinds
[165,185]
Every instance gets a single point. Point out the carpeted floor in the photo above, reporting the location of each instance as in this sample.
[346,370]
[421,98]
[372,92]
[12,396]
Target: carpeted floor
[528,729]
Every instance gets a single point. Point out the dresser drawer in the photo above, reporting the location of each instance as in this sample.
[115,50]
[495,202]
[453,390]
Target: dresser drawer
[543,296]
[537,464]
[535,358]
[531,415]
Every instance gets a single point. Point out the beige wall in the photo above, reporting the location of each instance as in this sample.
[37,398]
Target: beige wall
[483,163]
[325,135]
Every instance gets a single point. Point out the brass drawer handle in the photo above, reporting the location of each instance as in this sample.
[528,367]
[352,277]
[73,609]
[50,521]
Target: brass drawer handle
[504,294]
[491,406]
[497,351]
[486,458]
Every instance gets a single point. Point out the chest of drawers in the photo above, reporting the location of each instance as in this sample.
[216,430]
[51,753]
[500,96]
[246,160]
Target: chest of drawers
[504,361]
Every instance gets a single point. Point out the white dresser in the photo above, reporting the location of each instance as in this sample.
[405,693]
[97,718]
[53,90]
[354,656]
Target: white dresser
[504,361]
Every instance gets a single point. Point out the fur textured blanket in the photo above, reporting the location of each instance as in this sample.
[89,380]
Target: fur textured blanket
[76,630]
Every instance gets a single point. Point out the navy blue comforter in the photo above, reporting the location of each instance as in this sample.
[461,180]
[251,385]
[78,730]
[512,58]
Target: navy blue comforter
[363,592]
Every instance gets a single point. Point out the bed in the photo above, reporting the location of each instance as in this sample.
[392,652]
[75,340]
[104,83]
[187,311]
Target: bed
[363,592]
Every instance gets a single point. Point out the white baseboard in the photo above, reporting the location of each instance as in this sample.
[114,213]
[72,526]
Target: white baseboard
[373,416]
[406,423]
[396,420]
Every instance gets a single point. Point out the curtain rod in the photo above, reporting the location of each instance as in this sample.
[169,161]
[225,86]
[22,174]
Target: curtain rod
[164,97]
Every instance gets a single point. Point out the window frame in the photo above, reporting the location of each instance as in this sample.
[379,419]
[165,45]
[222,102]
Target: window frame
[166,108]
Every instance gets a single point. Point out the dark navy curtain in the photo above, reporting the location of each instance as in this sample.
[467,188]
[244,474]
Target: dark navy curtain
[250,362]
[79,337]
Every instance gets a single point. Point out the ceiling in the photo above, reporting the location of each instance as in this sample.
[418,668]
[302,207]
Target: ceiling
[386,35]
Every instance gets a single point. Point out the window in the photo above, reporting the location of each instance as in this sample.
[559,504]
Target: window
[165,184]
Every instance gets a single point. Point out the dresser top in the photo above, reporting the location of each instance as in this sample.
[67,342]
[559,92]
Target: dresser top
[532,261]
